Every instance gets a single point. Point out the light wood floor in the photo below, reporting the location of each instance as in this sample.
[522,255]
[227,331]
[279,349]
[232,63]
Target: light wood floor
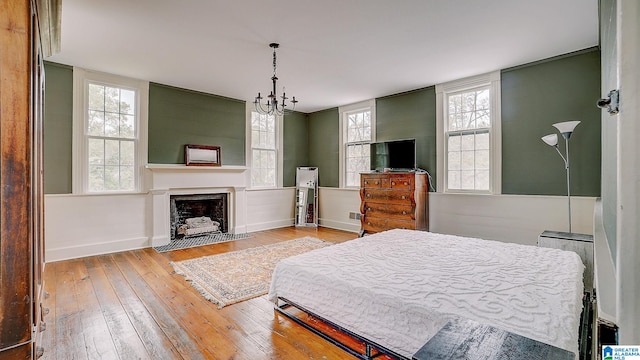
[132,305]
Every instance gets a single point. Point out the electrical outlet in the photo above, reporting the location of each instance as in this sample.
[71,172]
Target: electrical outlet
[354,215]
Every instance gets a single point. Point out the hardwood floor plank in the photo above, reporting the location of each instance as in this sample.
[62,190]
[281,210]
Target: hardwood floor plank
[69,338]
[190,307]
[140,279]
[155,341]
[151,312]
[123,334]
[97,337]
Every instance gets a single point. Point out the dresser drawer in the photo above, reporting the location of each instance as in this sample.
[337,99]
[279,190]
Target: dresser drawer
[400,197]
[405,212]
[399,182]
[400,224]
[372,224]
[375,209]
[375,195]
[374,182]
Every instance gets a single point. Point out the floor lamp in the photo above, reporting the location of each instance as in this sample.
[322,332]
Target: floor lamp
[566,129]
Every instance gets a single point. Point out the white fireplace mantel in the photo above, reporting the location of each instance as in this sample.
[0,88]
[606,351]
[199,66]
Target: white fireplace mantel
[164,180]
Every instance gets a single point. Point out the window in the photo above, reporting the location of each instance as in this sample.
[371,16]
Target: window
[109,118]
[469,134]
[264,150]
[358,129]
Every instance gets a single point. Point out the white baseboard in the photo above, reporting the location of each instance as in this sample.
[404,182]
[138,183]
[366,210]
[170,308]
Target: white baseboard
[79,251]
[269,225]
[338,225]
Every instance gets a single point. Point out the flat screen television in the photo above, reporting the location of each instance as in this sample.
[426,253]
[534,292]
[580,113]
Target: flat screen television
[396,155]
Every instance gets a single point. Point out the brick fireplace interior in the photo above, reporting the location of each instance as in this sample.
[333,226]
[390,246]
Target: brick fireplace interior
[185,207]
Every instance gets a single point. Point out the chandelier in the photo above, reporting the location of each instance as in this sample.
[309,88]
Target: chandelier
[272,105]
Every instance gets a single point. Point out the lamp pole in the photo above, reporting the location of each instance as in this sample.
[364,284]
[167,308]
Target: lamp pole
[566,142]
[566,129]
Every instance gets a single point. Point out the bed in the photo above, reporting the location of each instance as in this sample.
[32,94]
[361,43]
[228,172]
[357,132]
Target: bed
[399,287]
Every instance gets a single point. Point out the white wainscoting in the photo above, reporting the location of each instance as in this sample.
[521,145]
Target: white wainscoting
[270,208]
[512,218]
[83,225]
[334,206]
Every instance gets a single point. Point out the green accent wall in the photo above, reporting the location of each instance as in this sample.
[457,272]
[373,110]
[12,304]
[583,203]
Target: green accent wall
[58,128]
[536,96]
[324,146]
[411,115]
[178,117]
[295,145]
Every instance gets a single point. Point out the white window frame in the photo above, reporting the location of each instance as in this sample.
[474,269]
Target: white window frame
[250,107]
[495,135]
[80,174]
[344,111]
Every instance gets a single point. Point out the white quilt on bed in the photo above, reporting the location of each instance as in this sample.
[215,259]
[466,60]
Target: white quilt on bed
[399,287]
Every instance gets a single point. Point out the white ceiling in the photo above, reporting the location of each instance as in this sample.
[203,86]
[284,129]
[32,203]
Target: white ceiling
[332,52]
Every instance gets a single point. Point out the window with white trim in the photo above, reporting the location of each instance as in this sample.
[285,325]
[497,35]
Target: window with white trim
[358,132]
[469,135]
[109,126]
[264,150]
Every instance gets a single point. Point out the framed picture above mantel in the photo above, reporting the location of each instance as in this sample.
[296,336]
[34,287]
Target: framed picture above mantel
[202,155]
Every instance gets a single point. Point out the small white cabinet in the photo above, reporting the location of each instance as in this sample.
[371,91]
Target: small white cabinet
[582,244]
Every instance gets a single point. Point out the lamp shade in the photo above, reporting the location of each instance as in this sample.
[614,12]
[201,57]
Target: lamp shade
[551,139]
[566,128]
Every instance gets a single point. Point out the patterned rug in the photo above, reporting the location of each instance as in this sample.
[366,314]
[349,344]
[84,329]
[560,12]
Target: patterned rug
[236,276]
[199,241]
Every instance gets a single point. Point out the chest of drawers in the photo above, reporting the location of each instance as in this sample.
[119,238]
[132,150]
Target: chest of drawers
[393,201]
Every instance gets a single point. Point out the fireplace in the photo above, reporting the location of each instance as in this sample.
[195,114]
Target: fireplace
[225,185]
[197,215]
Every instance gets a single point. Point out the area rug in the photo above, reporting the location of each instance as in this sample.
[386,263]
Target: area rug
[236,276]
[199,241]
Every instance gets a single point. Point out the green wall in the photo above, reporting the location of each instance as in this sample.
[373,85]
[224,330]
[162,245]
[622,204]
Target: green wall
[178,117]
[296,145]
[324,146]
[533,98]
[58,128]
[410,115]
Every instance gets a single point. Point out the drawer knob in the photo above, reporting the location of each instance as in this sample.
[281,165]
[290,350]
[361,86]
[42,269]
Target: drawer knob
[376,183]
[368,209]
[368,223]
[406,183]
[404,213]
[403,197]
[368,195]
[393,183]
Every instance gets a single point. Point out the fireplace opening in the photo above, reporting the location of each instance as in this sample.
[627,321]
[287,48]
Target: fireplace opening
[198,215]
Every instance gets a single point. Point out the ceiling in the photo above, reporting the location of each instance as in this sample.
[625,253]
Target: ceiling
[332,52]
